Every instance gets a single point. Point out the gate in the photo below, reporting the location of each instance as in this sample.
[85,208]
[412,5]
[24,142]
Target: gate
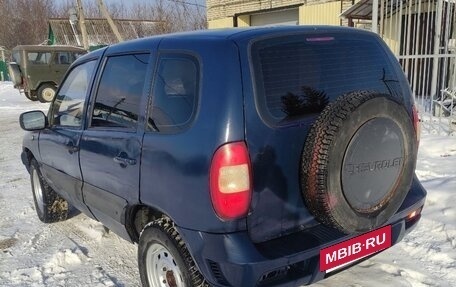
[422,35]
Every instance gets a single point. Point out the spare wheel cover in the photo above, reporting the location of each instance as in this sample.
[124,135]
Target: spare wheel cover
[358,161]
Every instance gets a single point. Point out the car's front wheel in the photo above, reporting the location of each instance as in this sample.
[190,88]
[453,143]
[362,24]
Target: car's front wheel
[50,207]
[163,258]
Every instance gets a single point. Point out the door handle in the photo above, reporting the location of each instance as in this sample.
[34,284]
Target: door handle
[123,161]
[72,148]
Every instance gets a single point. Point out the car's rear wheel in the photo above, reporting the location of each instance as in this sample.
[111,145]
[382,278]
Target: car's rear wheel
[163,258]
[50,207]
[46,93]
[358,161]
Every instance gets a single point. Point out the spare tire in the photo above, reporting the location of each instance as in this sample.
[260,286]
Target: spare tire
[358,161]
[15,73]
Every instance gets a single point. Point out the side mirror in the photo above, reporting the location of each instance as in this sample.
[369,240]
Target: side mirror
[33,121]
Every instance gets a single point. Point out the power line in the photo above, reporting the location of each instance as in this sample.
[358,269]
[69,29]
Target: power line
[188,3]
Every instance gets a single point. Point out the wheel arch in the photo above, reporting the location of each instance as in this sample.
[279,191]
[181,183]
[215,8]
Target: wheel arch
[27,156]
[138,216]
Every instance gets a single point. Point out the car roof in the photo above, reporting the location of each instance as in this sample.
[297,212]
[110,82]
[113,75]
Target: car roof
[258,31]
[226,34]
[48,48]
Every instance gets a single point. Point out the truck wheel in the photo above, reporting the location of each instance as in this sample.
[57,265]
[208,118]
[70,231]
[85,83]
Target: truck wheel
[163,258]
[31,95]
[46,93]
[50,207]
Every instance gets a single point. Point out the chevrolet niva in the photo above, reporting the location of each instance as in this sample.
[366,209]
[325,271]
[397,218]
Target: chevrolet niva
[273,156]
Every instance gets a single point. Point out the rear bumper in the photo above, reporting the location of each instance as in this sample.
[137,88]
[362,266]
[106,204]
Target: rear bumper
[234,260]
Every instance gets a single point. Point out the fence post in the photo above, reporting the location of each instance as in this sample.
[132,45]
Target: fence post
[435,64]
[375,16]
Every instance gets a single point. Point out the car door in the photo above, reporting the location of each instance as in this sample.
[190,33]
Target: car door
[38,68]
[59,143]
[110,147]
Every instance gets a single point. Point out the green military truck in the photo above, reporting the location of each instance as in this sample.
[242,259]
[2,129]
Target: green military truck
[38,69]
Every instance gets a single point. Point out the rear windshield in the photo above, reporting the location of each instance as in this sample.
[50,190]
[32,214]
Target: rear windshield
[299,75]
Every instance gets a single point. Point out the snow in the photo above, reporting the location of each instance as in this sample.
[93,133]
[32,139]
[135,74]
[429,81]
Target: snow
[80,252]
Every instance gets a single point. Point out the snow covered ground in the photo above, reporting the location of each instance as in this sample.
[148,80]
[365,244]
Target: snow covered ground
[79,252]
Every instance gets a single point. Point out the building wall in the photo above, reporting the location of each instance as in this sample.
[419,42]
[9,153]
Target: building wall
[314,15]
[225,22]
[218,12]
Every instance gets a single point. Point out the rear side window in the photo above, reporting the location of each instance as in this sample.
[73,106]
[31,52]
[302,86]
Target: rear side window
[64,58]
[175,93]
[117,103]
[299,75]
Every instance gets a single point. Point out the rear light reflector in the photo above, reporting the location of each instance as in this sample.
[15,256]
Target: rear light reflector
[230,181]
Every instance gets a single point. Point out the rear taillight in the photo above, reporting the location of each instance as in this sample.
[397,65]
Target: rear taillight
[230,181]
[416,123]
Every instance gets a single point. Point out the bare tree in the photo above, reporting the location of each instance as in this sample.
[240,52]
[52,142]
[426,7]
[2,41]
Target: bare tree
[26,21]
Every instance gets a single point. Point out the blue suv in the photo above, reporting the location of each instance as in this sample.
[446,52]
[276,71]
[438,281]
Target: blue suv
[242,157]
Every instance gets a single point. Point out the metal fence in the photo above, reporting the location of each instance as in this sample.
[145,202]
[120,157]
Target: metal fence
[422,34]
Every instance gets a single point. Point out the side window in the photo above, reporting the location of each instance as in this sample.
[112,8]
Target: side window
[117,103]
[175,93]
[64,58]
[39,58]
[67,109]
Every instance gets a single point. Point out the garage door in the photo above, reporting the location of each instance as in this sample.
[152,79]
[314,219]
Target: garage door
[282,17]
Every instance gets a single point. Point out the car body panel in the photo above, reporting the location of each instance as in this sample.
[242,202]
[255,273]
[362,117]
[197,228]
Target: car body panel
[108,185]
[179,163]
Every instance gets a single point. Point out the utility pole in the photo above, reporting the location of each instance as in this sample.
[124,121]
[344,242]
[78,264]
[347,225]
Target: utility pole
[111,23]
[82,26]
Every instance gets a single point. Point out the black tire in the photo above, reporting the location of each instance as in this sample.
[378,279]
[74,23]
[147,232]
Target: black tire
[161,247]
[358,162]
[46,92]
[31,95]
[50,207]
[15,73]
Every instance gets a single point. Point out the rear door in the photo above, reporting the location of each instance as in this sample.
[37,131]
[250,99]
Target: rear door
[59,143]
[111,144]
[38,68]
[61,62]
